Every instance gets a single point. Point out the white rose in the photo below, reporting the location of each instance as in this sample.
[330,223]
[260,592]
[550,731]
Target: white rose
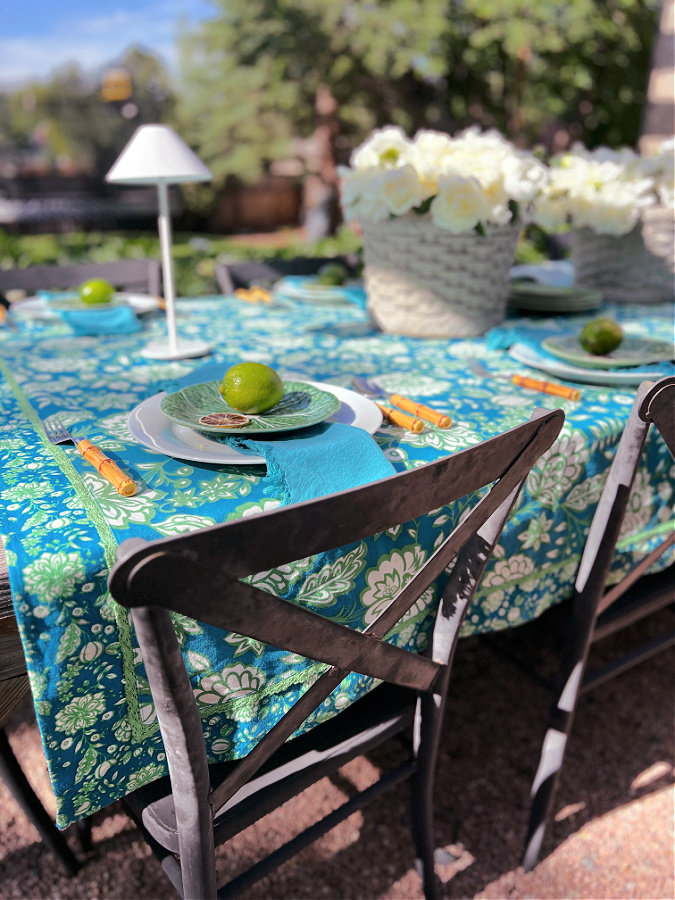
[386,147]
[460,204]
[361,195]
[401,190]
[551,210]
[524,177]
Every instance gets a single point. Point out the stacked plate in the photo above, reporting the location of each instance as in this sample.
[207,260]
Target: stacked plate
[533,297]
[170,423]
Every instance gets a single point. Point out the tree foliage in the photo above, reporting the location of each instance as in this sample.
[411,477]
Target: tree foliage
[541,71]
[65,117]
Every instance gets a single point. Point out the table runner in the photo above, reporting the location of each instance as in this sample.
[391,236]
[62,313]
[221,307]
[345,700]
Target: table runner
[61,522]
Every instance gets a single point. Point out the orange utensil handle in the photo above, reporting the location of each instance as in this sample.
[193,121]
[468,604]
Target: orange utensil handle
[107,468]
[419,409]
[399,418]
[558,390]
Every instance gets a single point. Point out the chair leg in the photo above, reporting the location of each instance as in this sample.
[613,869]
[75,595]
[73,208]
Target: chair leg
[13,776]
[83,827]
[551,759]
[427,726]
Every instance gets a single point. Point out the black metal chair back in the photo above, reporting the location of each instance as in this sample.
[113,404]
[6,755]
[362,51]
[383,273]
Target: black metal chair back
[199,575]
[596,611]
[140,275]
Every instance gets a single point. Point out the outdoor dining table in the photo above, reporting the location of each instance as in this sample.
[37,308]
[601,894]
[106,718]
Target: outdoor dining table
[61,522]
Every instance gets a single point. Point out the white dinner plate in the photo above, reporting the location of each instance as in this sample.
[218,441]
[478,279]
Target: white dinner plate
[39,308]
[150,427]
[610,377]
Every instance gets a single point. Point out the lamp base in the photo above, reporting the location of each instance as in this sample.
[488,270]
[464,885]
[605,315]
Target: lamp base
[182,350]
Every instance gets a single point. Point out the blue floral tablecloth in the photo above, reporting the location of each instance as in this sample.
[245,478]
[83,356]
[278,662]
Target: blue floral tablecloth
[61,522]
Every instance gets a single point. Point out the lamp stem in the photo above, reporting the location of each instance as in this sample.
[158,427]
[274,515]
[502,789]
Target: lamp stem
[164,224]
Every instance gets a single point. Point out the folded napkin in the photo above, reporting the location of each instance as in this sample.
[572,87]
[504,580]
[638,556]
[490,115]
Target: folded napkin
[117,319]
[307,463]
[316,461]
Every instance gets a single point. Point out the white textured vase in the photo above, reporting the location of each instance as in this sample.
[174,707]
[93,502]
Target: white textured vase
[633,268]
[424,281]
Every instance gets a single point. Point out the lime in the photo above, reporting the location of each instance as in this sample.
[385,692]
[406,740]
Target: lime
[96,290]
[332,274]
[601,336]
[251,387]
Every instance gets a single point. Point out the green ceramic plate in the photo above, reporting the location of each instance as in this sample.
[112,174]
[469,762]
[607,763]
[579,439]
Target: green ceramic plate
[631,352]
[301,406]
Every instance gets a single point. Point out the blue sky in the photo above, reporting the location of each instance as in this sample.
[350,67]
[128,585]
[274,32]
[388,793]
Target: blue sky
[37,36]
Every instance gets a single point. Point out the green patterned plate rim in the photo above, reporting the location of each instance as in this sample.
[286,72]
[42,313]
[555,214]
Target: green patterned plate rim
[631,352]
[301,406]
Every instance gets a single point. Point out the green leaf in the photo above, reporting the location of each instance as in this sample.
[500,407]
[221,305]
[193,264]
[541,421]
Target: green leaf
[69,643]
[86,764]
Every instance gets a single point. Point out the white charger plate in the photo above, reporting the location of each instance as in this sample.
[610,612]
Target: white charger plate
[39,308]
[150,427]
[610,377]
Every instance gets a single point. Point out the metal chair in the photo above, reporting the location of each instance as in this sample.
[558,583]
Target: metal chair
[199,574]
[596,611]
[264,273]
[11,694]
[140,275]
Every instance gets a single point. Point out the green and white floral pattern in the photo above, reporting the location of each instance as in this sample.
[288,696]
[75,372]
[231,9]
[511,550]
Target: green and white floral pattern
[61,522]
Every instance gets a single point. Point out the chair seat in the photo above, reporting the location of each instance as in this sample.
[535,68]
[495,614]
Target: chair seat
[382,713]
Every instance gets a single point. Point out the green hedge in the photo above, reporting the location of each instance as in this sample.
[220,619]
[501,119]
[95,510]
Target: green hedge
[195,255]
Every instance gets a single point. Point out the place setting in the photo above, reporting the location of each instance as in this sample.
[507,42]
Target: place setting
[313,437]
[331,286]
[598,353]
[94,307]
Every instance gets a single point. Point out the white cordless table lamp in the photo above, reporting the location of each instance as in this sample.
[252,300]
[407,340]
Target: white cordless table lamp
[156,155]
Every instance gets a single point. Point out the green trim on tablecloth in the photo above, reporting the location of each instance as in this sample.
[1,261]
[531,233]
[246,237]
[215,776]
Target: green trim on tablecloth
[109,544]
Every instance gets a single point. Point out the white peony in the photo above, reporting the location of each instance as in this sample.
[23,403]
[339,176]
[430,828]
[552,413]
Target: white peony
[601,189]
[473,178]
[385,147]
[459,205]
[401,190]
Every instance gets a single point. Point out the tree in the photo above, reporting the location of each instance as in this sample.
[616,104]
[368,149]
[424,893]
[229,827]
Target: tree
[535,69]
[67,117]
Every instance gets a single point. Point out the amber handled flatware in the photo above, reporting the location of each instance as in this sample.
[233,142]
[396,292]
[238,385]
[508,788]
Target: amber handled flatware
[57,433]
[372,389]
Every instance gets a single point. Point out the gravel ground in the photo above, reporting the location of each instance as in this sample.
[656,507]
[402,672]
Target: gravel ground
[612,838]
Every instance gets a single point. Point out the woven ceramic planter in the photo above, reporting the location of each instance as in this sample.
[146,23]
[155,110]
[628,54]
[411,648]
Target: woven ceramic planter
[424,281]
[633,268]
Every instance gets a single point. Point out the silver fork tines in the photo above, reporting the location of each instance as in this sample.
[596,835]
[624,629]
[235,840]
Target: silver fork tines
[56,431]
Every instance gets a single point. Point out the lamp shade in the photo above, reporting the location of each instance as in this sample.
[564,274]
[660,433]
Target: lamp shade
[156,154]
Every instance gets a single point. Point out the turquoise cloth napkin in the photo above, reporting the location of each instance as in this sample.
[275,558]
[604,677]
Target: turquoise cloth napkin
[308,463]
[97,320]
[316,461]
[116,320]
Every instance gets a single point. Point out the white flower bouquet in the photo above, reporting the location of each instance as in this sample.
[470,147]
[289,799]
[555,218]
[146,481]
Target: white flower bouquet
[463,183]
[620,207]
[440,218]
[602,189]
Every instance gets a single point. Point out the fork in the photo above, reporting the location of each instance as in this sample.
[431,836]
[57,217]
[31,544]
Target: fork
[57,433]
